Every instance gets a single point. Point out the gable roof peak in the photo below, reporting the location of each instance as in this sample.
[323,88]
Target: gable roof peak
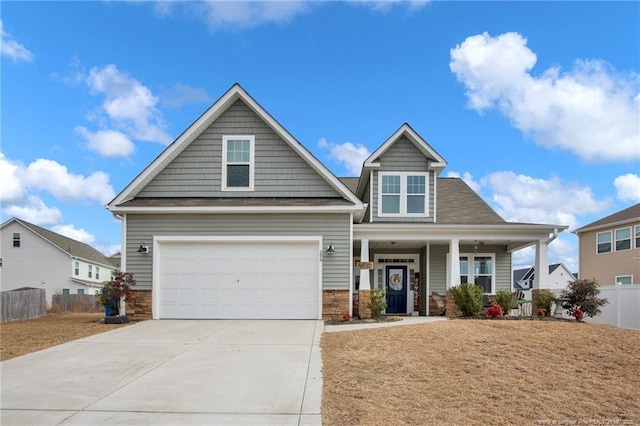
[405,130]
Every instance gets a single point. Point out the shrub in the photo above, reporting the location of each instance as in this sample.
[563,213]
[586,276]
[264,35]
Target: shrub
[544,300]
[378,302]
[495,311]
[583,294]
[346,317]
[578,314]
[468,298]
[113,291]
[541,312]
[504,299]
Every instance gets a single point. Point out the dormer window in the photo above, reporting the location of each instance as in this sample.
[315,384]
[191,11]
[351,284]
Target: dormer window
[403,194]
[237,163]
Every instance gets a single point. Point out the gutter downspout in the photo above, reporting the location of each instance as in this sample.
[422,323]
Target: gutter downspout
[553,237]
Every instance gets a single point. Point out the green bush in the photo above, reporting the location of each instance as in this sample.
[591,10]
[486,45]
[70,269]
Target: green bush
[504,299]
[583,294]
[544,300]
[468,298]
[378,302]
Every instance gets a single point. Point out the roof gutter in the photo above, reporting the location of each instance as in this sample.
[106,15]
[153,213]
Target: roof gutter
[553,237]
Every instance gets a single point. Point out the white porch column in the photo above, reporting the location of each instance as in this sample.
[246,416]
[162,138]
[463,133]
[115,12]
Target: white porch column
[541,277]
[364,273]
[454,263]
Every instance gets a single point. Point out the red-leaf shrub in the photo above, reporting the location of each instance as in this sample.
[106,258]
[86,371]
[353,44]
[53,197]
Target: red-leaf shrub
[346,317]
[577,312]
[495,311]
[542,312]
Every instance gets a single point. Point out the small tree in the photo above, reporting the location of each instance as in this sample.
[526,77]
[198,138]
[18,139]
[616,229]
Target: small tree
[468,298]
[116,290]
[582,294]
[378,302]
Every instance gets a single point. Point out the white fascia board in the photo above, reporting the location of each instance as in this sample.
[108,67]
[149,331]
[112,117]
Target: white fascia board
[526,233]
[417,140]
[300,149]
[236,92]
[231,209]
[180,143]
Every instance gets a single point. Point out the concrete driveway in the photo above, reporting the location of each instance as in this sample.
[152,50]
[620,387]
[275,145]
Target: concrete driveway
[218,372]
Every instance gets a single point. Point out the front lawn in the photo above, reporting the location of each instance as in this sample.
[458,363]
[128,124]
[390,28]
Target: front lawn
[482,372]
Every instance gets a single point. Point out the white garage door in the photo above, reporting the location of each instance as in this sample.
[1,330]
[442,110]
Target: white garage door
[250,280]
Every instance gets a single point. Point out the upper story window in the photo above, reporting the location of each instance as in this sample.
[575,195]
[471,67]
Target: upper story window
[638,236]
[97,272]
[90,271]
[16,239]
[403,194]
[623,239]
[237,163]
[603,239]
[76,268]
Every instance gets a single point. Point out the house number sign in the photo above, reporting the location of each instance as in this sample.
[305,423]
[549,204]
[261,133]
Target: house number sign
[364,265]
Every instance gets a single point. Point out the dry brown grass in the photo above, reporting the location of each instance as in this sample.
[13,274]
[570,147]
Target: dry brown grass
[482,372]
[22,337]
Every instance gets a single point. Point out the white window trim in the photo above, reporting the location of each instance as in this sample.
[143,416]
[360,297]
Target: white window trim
[225,140]
[610,240]
[636,229]
[403,194]
[623,276]
[470,275]
[632,236]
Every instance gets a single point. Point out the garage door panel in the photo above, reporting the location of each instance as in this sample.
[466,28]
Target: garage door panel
[263,279]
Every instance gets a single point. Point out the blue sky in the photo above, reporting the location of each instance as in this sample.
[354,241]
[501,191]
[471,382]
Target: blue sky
[535,104]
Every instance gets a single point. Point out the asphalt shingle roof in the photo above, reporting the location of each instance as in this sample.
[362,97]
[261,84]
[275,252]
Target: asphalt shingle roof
[457,203]
[629,213]
[73,247]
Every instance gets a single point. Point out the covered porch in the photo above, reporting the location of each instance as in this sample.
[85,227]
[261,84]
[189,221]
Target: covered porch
[410,261]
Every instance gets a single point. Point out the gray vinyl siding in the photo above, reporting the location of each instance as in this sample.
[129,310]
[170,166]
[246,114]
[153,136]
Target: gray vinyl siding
[403,156]
[279,170]
[438,266]
[36,263]
[334,228]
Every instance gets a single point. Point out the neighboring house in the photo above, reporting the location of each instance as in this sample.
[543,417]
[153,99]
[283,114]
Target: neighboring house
[559,277]
[236,219]
[609,248]
[31,256]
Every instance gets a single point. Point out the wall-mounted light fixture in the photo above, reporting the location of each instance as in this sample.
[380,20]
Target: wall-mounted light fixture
[330,249]
[475,247]
[143,249]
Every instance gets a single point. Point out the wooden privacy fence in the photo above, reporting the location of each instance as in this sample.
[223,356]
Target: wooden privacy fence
[22,304]
[623,309]
[76,303]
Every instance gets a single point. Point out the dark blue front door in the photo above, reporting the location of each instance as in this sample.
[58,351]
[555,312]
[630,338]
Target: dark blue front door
[396,288]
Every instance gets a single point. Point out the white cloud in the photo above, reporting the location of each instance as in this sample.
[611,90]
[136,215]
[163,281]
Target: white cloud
[32,209]
[242,14]
[51,176]
[386,5]
[628,187]
[349,155]
[590,110]
[108,143]
[74,233]
[11,187]
[129,105]
[468,178]
[13,49]
[520,198]
[180,95]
